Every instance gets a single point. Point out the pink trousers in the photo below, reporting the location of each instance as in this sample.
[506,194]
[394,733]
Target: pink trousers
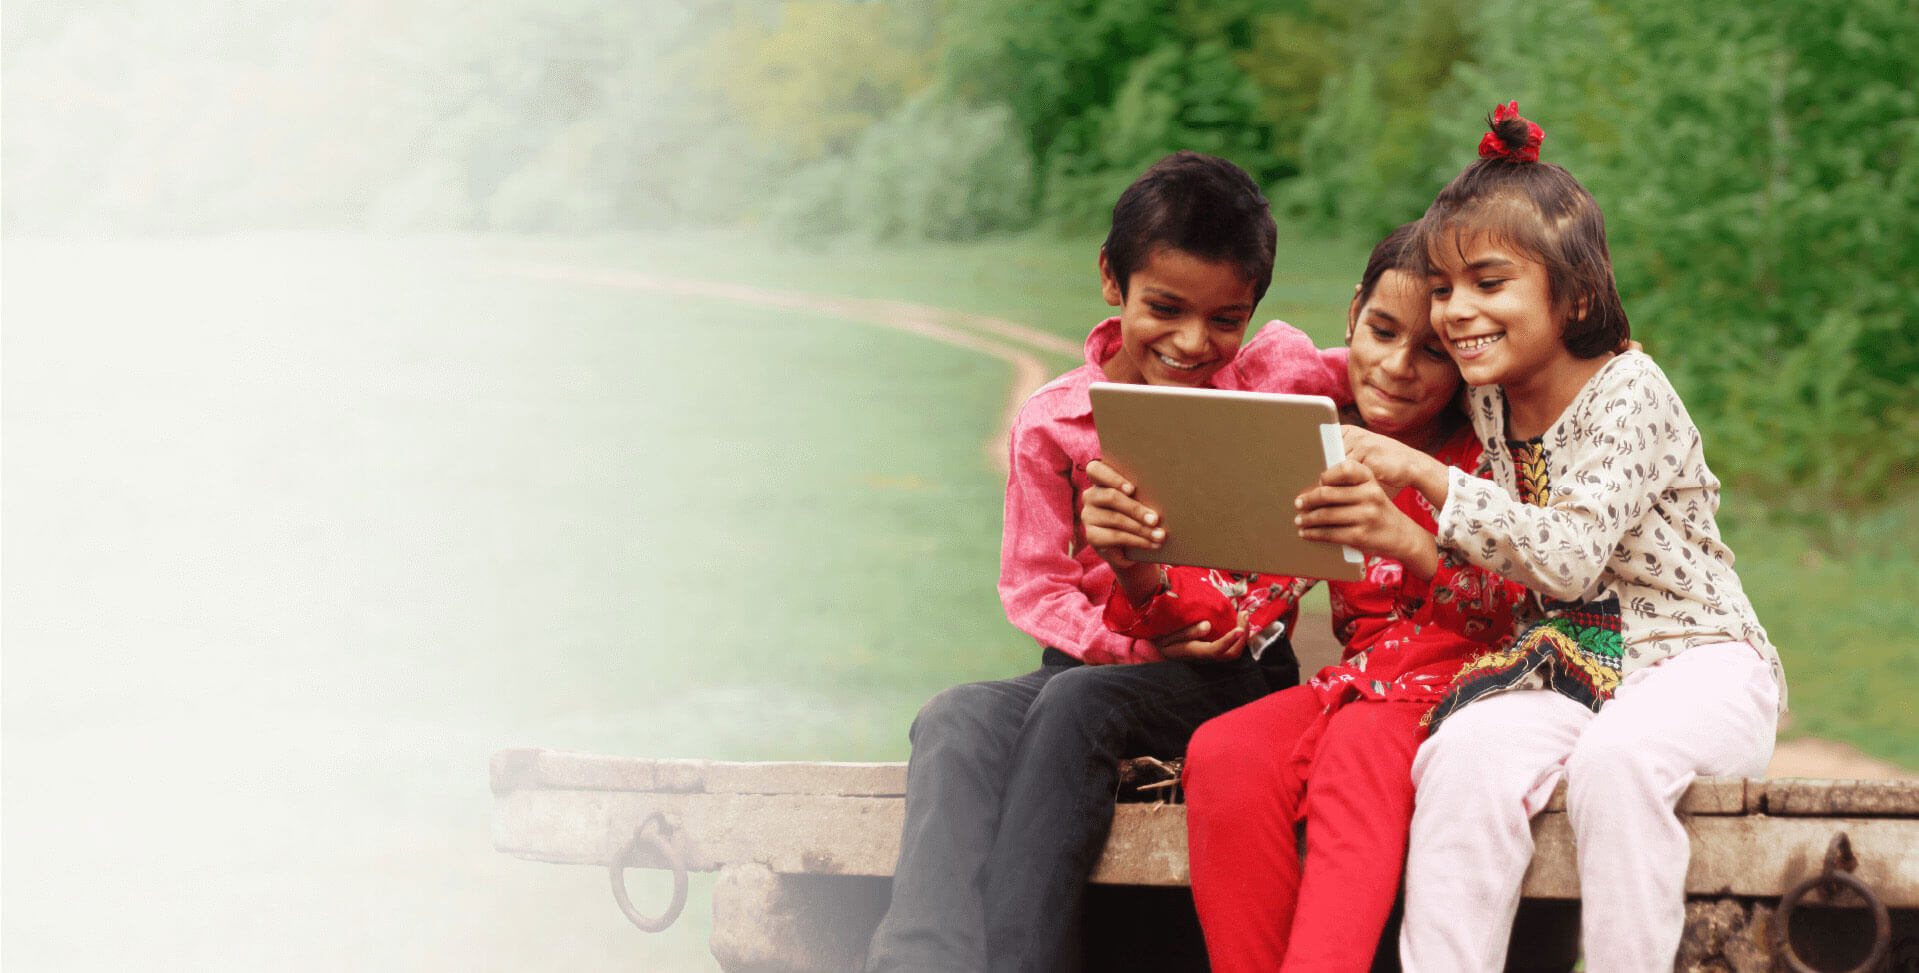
[1480,777]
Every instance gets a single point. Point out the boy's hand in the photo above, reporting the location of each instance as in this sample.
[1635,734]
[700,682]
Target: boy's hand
[1350,506]
[1113,521]
[1189,644]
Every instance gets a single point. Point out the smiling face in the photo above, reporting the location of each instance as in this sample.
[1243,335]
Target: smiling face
[1181,318]
[1402,379]
[1494,310]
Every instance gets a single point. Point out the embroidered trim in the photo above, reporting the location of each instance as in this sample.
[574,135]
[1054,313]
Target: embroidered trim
[1577,650]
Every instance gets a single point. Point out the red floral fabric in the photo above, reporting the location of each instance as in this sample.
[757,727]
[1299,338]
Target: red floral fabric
[1404,638]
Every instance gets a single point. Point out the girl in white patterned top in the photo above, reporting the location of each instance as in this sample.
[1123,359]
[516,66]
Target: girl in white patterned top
[1647,666]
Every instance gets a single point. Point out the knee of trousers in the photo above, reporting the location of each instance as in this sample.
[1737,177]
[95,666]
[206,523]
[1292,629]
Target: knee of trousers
[1471,756]
[1214,756]
[955,715]
[1607,761]
[1371,740]
[1084,698]
[1223,750]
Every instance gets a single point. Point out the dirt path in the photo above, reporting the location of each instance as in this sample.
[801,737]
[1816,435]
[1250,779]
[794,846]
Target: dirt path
[1016,345]
[1007,341]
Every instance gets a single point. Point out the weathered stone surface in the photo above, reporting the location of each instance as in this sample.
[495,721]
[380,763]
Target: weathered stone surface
[765,922]
[1724,936]
[537,769]
[1752,855]
[1848,798]
[1707,795]
[795,833]
[792,833]
[824,834]
[805,849]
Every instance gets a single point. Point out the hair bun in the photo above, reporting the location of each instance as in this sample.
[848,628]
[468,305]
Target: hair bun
[1512,138]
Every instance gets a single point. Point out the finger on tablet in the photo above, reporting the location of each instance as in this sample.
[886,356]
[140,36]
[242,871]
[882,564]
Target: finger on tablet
[1099,472]
[1346,472]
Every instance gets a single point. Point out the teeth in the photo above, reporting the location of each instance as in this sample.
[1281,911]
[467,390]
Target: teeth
[1171,363]
[1474,344]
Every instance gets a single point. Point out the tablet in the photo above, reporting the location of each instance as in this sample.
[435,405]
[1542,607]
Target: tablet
[1222,468]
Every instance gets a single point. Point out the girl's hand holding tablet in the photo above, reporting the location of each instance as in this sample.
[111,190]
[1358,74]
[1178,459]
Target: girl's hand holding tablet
[1351,506]
[1396,465]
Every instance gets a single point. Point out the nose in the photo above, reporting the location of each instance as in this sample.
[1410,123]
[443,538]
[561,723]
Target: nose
[1190,338]
[1399,362]
[1449,309]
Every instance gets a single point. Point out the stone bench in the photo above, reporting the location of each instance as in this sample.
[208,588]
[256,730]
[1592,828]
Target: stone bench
[804,850]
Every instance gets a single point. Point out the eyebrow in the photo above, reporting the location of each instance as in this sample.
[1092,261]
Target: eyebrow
[1173,296]
[1374,312]
[1487,262]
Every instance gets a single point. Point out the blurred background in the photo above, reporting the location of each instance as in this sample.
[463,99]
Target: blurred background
[386,383]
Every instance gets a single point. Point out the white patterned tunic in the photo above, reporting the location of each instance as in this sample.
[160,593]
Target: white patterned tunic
[1629,516]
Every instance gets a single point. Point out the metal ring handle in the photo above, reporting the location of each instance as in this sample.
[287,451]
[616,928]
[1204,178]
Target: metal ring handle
[1882,920]
[656,838]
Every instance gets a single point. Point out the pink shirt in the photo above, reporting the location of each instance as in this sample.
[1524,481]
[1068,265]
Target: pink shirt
[1053,585]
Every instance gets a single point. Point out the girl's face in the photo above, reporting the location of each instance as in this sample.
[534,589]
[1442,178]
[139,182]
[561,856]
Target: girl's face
[1492,307]
[1401,377]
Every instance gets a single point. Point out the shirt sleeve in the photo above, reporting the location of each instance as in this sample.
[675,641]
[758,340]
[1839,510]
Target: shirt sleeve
[1637,440]
[1054,589]
[1281,358]
[1332,372]
[1189,595]
[1178,603]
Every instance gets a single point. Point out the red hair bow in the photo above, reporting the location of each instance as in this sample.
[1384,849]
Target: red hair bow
[1491,146]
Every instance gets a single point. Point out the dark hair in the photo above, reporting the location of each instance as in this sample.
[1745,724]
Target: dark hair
[1542,210]
[1198,204]
[1396,252]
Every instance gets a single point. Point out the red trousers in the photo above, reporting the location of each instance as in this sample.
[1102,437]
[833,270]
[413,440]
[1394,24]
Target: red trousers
[1259,908]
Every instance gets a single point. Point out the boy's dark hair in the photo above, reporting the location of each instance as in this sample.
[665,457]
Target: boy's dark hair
[1198,204]
[1399,251]
[1542,210]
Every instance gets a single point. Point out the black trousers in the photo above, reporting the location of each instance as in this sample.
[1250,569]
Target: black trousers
[1009,796]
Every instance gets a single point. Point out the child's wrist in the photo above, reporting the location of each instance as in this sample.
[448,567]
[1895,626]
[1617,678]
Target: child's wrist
[1141,583]
[1434,480]
[1421,554]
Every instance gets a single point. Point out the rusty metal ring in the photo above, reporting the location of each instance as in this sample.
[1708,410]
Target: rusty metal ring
[1882,919]
[665,849]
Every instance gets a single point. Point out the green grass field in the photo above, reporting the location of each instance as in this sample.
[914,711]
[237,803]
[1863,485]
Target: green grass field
[300,529]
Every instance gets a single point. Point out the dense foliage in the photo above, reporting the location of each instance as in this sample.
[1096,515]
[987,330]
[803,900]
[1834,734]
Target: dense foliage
[1759,167]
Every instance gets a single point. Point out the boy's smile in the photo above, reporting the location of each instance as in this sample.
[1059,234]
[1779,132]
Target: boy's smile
[1181,318]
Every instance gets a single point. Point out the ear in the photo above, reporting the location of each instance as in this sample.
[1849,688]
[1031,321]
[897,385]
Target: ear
[1108,284]
[1352,315]
[1570,312]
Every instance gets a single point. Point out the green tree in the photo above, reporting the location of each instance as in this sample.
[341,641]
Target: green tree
[1772,177]
[1757,169]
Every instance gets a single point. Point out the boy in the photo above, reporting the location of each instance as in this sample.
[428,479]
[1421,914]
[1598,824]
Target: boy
[1010,784]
